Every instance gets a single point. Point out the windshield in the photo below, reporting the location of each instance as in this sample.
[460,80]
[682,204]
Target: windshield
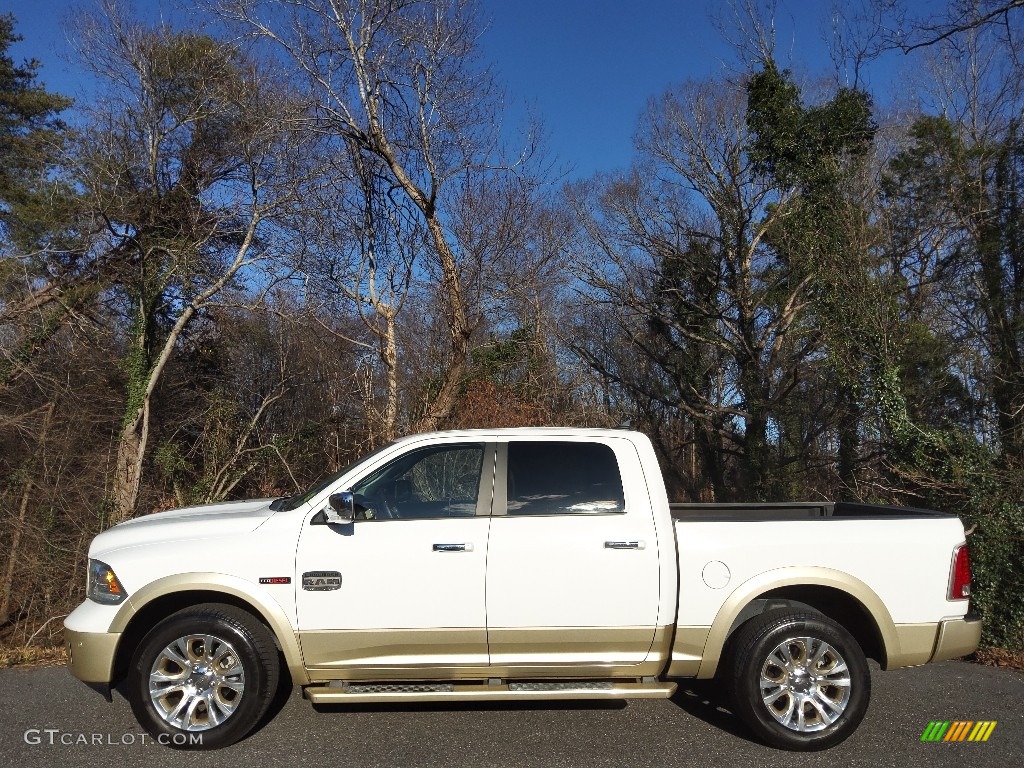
[292,502]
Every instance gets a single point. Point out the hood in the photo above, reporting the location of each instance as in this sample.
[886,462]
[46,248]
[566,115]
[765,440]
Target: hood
[203,522]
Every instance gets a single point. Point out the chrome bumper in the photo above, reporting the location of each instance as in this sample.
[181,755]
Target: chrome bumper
[957,637]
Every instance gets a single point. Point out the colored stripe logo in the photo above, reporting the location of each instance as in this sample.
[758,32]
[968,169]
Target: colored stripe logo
[958,730]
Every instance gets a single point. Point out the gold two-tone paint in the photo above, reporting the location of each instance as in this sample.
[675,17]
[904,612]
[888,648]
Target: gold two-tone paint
[463,654]
[687,651]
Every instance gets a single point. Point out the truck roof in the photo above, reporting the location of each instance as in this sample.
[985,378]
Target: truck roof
[519,431]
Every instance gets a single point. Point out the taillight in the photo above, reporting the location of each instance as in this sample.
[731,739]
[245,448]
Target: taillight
[960,575]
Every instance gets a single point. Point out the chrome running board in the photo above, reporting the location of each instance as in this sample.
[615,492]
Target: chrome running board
[377,693]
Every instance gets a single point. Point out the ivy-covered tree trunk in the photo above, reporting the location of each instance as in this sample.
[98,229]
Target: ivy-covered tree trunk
[187,150]
[134,434]
[131,450]
[1001,263]
[817,150]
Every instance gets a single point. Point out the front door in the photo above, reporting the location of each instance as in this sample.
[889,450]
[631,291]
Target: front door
[572,566]
[401,587]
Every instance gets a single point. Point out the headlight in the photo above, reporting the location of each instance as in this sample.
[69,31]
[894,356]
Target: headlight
[103,586]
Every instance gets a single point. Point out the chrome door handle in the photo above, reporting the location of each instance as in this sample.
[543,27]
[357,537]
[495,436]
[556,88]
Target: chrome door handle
[624,545]
[467,547]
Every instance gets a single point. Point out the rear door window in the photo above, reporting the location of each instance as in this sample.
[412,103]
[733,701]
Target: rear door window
[562,478]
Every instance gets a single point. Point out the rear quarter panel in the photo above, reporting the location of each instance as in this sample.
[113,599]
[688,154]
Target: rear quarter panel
[905,562]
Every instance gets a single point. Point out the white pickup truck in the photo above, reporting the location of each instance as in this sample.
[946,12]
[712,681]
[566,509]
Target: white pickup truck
[515,564]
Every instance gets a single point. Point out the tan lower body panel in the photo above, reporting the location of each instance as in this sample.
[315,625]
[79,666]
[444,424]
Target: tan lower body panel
[687,651]
[916,645]
[957,638]
[91,654]
[462,654]
[330,695]
[394,648]
[570,645]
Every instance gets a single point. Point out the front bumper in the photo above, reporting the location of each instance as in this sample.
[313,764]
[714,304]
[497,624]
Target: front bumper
[92,651]
[958,637]
[91,654]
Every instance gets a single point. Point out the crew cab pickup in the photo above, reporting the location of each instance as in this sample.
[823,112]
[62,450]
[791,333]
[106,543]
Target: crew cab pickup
[515,564]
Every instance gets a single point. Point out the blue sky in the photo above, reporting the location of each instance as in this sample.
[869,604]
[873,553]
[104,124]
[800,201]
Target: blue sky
[589,67]
[585,67]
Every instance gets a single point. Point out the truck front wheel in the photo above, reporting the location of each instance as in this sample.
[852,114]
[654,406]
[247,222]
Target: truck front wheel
[798,680]
[203,677]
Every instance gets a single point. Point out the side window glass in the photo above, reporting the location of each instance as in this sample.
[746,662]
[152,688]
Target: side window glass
[563,478]
[440,481]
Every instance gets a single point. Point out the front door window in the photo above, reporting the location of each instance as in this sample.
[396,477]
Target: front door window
[440,481]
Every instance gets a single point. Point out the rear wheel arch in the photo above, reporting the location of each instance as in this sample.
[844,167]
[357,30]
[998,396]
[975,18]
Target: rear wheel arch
[841,607]
[834,594]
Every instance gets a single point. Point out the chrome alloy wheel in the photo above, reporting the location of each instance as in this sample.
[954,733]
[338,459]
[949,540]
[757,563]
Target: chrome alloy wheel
[196,682]
[805,684]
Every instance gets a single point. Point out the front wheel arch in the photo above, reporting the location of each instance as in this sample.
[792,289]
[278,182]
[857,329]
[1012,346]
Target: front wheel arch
[162,606]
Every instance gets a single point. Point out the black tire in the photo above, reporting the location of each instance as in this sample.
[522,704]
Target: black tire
[226,710]
[816,690]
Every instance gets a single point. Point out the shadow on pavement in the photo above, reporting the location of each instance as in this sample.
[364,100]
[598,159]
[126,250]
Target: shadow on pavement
[705,700]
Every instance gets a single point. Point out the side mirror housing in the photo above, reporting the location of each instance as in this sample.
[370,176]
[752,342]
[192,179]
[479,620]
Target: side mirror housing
[341,508]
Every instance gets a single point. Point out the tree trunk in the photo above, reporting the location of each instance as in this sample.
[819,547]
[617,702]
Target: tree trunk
[443,404]
[131,449]
[390,358]
[849,440]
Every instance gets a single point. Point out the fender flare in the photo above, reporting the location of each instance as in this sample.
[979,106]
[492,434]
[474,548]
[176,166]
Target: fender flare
[259,600]
[811,576]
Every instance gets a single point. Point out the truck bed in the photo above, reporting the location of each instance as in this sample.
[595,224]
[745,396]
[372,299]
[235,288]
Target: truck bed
[775,511]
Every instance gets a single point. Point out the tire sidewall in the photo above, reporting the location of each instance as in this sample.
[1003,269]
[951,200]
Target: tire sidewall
[255,693]
[746,683]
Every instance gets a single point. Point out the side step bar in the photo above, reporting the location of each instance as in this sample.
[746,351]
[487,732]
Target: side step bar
[411,692]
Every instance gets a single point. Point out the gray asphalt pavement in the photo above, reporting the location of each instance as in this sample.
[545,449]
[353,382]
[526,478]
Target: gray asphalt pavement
[45,707]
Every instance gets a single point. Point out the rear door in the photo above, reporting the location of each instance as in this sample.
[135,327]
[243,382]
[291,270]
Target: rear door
[572,563]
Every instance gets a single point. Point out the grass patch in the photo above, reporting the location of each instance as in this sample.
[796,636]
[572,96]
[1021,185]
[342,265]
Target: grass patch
[51,656]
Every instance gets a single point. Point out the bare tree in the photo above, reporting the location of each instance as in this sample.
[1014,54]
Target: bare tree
[910,31]
[398,81]
[362,247]
[683,253]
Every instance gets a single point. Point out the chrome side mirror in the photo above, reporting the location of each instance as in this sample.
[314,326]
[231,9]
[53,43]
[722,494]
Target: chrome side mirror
[341,508]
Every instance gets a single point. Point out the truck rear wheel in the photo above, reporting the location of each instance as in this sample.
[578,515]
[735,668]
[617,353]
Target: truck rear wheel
[203,677]
[798,680]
